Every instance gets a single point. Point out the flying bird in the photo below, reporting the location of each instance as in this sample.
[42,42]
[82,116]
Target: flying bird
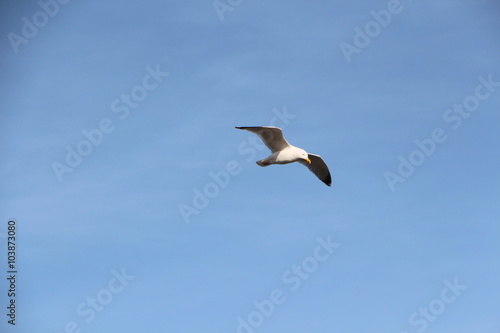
[284,153]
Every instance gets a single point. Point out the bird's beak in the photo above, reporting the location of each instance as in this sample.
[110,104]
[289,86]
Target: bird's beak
[308,160]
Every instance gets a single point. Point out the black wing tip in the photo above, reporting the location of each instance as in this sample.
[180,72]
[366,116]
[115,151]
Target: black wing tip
[245,127]
[327,181]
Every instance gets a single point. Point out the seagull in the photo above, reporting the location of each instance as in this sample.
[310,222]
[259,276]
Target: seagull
[284,153]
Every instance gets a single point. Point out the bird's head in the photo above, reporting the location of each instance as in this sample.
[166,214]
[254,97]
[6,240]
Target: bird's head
[303,155]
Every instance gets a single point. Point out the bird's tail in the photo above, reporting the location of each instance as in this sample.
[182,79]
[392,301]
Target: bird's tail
[263,163]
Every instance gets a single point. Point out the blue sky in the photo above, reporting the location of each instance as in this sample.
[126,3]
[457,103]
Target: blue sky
[148,94]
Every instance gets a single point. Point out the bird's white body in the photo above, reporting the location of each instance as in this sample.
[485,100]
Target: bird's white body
[289,154]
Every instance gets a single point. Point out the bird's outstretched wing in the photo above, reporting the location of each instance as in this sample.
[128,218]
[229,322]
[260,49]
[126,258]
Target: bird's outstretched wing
[319,168]
[270,135]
